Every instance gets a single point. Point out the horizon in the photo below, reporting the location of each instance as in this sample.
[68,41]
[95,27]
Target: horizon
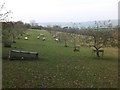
[76,24]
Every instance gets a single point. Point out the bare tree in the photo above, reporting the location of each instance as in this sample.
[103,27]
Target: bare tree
[33,24]
[4,13]
[64,38]
[102,35]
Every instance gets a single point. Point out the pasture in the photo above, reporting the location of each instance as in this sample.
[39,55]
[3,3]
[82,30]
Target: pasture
[58,66]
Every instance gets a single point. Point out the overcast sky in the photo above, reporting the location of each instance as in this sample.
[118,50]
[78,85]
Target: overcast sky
[62,10]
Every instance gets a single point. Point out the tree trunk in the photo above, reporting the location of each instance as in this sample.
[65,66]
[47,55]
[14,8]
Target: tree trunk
[74,43]
[59,39]
[13,39]
[97,53]
[65,43]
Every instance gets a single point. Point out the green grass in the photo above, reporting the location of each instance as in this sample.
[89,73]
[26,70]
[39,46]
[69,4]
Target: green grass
[0,65]
[59,66]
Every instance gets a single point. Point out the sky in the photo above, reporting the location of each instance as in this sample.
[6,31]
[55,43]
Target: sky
[62,10]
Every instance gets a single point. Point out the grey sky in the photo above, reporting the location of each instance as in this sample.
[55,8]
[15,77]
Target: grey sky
[62,10]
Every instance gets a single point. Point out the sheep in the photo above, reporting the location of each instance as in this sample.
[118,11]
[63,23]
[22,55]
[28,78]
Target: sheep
[54,36]
[41,34]
[38,37]
[18,37]
[26,38]
[56,39]
[43,38]
[76,48]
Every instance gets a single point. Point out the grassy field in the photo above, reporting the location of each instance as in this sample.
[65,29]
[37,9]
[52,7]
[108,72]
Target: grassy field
[0,65]
[59,66]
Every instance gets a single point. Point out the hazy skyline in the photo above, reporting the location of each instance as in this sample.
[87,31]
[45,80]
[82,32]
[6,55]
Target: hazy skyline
[62,10]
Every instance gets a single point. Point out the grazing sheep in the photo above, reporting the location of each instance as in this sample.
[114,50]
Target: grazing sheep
[54,36]
[41,34]
[76,48]
[57,40]
[44,39]
[26,38]
[38,37]
[18,37]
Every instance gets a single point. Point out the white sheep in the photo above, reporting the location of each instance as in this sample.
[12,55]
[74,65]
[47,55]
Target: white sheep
[57,39]
[38,37]
[77,47]
[54,36]
[43,38]
[26,38]
[41,34]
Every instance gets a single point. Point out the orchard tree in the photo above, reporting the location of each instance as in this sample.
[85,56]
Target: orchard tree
[7,28]
[19,29]
[102,35]
[74,36]
[54,30]
[11,30]
[64,36]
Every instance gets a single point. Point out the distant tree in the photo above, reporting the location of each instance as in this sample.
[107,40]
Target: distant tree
[33,24]
[115,34]
[74,35]
[49,29]
[27,25]
[56,28]
[64,38]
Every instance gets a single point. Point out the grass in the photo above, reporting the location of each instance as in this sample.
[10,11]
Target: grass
[59,66]
[0,65]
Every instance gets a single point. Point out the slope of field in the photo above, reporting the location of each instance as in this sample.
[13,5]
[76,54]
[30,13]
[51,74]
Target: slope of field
[59,66]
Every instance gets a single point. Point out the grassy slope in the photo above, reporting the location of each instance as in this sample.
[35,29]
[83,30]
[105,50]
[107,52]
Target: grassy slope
[59,66]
